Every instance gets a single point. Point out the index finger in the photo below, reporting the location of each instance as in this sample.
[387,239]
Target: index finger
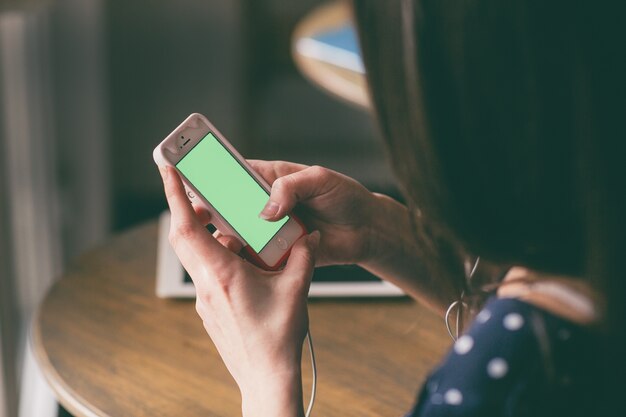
[272,170]
[196,248]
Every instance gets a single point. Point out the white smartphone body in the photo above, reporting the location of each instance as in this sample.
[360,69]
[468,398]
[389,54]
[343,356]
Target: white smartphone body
[218,178]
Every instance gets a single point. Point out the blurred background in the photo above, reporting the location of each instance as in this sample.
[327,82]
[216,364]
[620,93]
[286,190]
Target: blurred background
[89,87]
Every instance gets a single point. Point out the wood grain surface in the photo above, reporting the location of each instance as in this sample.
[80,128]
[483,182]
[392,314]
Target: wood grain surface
[349,86]
[109,347]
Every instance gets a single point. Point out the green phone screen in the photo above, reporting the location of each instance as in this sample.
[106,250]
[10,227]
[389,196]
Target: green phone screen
[230,189]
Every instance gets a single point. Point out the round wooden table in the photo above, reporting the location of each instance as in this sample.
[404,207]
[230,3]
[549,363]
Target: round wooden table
[109,347]
[349,86]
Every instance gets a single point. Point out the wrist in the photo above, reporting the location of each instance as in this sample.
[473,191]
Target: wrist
[278,395]
[390,229]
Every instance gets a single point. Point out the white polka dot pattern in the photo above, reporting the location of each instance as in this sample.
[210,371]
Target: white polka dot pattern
[453,397]
[483,316]
[513,321]
[497,368]
[463,345]
[487,363]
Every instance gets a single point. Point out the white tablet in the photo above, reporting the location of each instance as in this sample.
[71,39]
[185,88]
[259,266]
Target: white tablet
[330,281]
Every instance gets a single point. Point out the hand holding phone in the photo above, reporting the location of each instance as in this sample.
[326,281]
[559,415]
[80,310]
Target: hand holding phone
[217,178]
[257,319]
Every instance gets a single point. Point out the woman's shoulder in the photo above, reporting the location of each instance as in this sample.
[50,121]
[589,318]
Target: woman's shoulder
[570,298]
[515,359]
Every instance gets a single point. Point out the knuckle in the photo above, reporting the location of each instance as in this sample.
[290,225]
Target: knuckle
[325,179]
[172,239]
[280,166]
[224,289]
[228,242]
[200,308]
[290,182]
[320,174]
[219,283]
[203,295]
[282,185]
[231,244]
[318,171]
[276,185]
[182,231]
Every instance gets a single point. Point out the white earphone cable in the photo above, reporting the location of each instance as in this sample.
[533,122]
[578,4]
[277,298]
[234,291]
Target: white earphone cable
[314,372]
[460,304]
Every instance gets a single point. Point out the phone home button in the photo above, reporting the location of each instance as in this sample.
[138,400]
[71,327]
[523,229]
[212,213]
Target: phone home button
[282,243]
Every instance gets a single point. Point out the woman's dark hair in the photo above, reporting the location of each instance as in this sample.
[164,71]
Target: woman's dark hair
[505,126]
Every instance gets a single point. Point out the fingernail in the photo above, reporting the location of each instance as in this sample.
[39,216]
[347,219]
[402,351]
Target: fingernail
[269,211]
[313,240]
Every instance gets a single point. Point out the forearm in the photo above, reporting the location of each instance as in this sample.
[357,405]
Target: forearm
[396,256]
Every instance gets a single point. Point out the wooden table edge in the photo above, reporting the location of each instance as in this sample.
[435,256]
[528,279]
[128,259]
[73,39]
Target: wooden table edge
[66,396]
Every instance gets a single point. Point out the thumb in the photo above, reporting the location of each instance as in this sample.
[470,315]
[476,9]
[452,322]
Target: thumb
[302,258]
[297,187]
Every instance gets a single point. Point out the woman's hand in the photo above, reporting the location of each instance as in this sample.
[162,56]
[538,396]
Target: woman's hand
[257,319]
[357,226]
[338,206]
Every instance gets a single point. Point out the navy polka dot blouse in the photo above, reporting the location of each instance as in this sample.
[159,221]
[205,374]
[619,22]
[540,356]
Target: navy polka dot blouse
[515,360]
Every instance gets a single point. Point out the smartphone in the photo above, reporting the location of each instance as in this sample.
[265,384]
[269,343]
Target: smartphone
[218,178]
